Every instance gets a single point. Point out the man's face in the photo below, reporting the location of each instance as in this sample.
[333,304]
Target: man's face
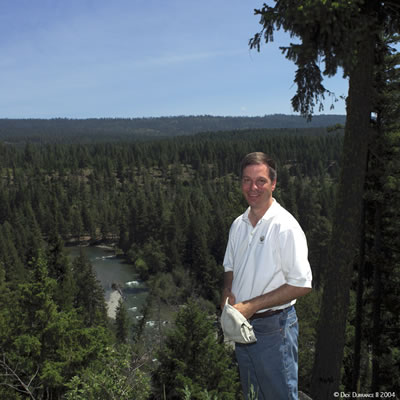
[257,186]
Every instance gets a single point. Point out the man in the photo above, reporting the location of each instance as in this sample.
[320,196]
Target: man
[266,270]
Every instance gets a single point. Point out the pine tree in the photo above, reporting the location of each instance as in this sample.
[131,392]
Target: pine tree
[46,346]
[14,268]
[117,375]
[381,271]
[121,323]
[90,294]
[193,358]
[60,269]
[344,34]
[200,262]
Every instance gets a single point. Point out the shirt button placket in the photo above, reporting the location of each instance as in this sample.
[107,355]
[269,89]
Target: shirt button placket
[251,237]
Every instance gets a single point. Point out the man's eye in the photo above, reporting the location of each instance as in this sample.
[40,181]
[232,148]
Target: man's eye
[261,182]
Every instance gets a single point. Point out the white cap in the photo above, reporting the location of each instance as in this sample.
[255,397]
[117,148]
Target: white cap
[235,326]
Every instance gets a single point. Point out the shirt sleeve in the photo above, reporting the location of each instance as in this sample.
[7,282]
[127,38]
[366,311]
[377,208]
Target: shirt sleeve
[294,257]
[228,258]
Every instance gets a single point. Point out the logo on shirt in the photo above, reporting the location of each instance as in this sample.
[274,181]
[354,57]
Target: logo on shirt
[262,238]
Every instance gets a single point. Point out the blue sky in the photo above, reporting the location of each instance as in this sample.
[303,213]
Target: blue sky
[141,58]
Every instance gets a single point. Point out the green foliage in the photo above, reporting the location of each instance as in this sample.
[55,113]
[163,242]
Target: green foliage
[151,259]
[121,323]
[379,311]
[116,375]
[307,309]
[329,31]
[374,321]
[90,294]
[60,269]
[164,288]
[350,35]
[190,349]
[43,346]
[172,201]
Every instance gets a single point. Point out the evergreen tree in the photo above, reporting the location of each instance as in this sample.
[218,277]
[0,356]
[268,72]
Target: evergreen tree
[60,270]
[190,349]
[345,34]
[116,375]
[377,314]
[14,269]
[90,294]
[121,323]
[44,347]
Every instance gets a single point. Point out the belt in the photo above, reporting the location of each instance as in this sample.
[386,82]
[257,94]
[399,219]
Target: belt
[265,314]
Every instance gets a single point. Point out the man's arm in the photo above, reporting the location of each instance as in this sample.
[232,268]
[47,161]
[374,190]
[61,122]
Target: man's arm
[227,290]
[282,295]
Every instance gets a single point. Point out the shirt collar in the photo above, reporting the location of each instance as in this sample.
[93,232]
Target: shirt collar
[268,214]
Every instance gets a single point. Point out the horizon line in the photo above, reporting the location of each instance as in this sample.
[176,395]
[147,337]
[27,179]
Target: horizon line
[170,116]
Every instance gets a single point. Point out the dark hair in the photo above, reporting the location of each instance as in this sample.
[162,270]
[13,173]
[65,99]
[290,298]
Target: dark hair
[258,158]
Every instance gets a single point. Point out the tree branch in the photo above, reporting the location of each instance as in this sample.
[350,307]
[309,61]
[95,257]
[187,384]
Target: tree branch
[13,373]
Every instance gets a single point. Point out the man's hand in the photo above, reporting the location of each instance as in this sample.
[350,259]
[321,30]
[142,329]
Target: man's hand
[246,309]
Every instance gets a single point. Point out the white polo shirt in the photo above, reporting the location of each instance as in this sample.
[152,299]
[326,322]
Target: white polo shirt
[266,256]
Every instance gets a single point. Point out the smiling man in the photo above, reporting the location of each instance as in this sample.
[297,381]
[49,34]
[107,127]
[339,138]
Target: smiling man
[266,270]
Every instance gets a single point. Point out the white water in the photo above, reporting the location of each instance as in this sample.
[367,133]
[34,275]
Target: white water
[112,270]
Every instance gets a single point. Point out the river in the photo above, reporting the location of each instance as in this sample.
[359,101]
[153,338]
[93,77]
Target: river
[113,270]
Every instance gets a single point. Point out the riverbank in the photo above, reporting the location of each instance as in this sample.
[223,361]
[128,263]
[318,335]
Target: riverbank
[86,241]
[117,277]
[112,303]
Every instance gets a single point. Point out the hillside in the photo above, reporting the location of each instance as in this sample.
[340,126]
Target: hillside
[56,130]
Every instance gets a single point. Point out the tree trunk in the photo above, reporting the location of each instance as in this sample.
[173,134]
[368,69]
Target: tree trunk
[359,309]
[377,296]
[346,227]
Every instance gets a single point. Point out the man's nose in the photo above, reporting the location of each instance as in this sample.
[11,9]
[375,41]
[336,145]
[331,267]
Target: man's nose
[254,185]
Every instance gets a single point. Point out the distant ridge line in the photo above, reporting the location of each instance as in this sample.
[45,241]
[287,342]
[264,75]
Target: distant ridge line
[16,129]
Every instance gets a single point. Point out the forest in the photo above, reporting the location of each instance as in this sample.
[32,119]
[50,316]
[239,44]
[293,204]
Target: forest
[64,130]
[166,203]
[166,206]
